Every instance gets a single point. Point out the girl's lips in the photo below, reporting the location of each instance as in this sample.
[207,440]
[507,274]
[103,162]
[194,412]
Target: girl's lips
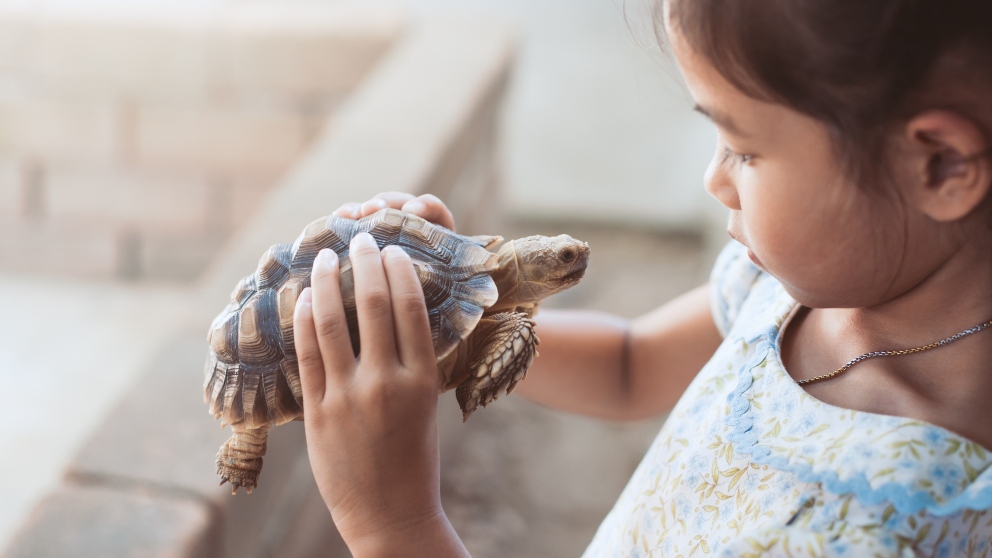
[750,254]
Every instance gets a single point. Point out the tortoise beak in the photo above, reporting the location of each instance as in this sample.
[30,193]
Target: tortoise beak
[575,275]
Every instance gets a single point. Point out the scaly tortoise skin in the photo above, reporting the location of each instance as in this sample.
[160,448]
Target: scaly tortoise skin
[480,306]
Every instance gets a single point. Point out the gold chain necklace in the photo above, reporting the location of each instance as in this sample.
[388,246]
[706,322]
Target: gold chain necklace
[874,354]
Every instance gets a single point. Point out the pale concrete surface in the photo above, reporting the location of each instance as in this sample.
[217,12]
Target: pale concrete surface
[153,529]
[160,441]
[69,351]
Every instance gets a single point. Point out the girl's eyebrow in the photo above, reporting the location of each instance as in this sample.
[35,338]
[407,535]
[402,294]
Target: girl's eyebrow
[721,119]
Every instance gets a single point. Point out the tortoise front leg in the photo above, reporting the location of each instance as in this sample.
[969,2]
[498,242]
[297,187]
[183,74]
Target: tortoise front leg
[500,360]
[240,458]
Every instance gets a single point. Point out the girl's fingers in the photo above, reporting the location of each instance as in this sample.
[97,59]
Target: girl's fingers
[349,211]
[307,351]
[373,205]
[375,314]
[413,330]
[394,200]
[427,206]
[431,209]
[329,318]
[383,200]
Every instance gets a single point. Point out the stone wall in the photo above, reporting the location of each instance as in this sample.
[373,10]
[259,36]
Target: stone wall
[133,141]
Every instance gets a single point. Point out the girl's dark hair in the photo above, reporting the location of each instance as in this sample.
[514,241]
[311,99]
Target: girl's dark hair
[860,66]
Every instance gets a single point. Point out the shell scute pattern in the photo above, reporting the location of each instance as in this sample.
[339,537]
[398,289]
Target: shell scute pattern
[216,374]
[384,227]
[453,318]
[274,265]
[244,290]
[428,243]
[224,335]
[436,285]
[474,286]
[330,232]
[289,390]
[231,406]
[253,398]
[288,293]
[252,374]
[259,335]
[467,262]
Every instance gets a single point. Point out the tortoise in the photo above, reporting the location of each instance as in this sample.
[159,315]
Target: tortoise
[480,306]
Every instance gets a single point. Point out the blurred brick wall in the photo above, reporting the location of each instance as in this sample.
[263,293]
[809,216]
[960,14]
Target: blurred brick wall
[132,143]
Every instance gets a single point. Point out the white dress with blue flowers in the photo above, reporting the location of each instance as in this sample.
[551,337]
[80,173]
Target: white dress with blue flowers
[749,464]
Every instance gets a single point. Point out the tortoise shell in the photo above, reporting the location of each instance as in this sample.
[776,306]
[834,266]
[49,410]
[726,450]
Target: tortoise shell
[252,373]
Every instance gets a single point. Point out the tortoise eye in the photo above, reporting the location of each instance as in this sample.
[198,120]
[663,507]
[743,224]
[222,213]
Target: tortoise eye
[567,255]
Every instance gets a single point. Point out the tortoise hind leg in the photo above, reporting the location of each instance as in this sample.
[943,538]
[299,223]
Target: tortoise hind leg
[500,361]
[240,458]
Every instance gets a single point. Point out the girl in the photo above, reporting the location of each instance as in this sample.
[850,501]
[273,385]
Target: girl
[842,403]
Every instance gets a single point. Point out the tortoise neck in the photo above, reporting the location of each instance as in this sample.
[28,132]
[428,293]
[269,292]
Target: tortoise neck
[507,276]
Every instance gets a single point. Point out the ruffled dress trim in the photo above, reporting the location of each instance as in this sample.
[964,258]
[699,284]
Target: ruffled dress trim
[912,464]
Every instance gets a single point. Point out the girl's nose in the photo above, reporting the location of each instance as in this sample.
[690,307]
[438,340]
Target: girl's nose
[719,181]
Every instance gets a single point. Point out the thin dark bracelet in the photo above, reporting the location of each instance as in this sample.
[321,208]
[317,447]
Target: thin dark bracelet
[626,381]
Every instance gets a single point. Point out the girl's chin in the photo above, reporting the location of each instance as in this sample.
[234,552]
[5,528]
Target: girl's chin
[755,259]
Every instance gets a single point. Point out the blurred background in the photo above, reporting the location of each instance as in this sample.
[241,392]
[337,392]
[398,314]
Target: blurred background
[152,150]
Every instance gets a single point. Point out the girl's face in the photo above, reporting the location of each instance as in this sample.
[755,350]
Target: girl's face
[830,243]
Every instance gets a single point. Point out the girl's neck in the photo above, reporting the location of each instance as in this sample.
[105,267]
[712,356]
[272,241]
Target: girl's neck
[949,385]
[955,296]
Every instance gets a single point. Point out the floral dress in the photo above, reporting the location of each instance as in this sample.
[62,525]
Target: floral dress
[749,464]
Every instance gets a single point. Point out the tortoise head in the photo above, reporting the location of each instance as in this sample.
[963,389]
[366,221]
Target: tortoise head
[536,267]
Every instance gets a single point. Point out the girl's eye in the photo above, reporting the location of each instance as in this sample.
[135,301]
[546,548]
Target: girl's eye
[734,157]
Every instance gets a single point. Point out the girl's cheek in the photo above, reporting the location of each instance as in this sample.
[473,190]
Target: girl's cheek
[768,215]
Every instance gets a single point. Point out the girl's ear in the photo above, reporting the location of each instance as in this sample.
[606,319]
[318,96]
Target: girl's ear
[954,163]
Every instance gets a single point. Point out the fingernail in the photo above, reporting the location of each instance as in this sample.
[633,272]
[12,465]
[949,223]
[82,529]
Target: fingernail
[347,210]
[372,206]
[415,207]
[393,251]
[326,259]
[306,299]
[363,239]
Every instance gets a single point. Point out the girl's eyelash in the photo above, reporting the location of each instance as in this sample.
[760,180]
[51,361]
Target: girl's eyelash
[737,158]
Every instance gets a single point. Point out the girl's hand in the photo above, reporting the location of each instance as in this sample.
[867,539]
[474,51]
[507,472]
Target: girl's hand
[427,206]
[371,422]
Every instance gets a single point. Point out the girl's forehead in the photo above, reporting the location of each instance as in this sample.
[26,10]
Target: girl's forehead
[714,96]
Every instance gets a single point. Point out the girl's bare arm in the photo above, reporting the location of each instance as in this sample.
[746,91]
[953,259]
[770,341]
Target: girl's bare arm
[601,365]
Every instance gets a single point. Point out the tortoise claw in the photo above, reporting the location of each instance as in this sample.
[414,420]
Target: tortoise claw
[240,458]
